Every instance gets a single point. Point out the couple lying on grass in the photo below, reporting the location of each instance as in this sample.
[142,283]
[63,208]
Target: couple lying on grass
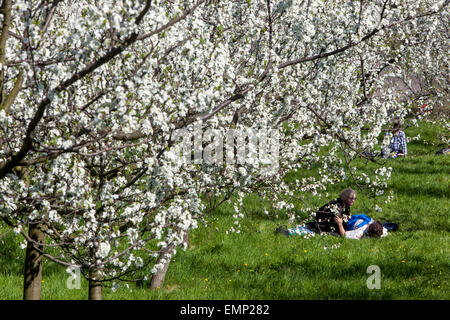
[334,218]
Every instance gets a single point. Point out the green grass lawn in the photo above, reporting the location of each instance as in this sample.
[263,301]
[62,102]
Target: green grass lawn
[257,264]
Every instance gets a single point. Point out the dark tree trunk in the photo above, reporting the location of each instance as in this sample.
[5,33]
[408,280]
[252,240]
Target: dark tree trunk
[33,265]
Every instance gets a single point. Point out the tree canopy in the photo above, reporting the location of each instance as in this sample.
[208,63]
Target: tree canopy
[97,95]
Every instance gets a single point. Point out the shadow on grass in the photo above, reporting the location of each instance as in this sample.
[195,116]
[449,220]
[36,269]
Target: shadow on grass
[10,264]
[12,258]
[292,279]
[436,191]
[426,169]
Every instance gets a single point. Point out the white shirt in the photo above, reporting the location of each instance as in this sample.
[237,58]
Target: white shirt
[358,233]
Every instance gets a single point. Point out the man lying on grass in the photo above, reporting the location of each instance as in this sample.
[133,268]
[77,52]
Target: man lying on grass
[361,228]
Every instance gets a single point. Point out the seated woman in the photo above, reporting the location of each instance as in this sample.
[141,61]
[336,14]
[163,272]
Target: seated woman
[324,219]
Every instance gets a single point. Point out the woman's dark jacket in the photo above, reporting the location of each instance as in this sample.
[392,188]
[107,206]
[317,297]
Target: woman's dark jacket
[325,217]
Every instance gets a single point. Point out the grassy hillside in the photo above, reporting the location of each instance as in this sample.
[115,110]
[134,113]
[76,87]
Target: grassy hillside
[257,264]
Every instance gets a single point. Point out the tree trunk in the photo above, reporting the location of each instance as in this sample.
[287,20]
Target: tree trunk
[33,265]
[158,277]
[95,285]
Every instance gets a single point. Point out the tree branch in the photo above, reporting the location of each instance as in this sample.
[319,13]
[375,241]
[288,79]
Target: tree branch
[6,10]
[171,22]
[13,94]
[7,167]
[366,37]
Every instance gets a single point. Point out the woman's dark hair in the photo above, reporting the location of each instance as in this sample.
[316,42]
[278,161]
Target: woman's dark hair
[375,229]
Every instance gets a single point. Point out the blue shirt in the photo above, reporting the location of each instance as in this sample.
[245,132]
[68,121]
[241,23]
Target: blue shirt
[357,221]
